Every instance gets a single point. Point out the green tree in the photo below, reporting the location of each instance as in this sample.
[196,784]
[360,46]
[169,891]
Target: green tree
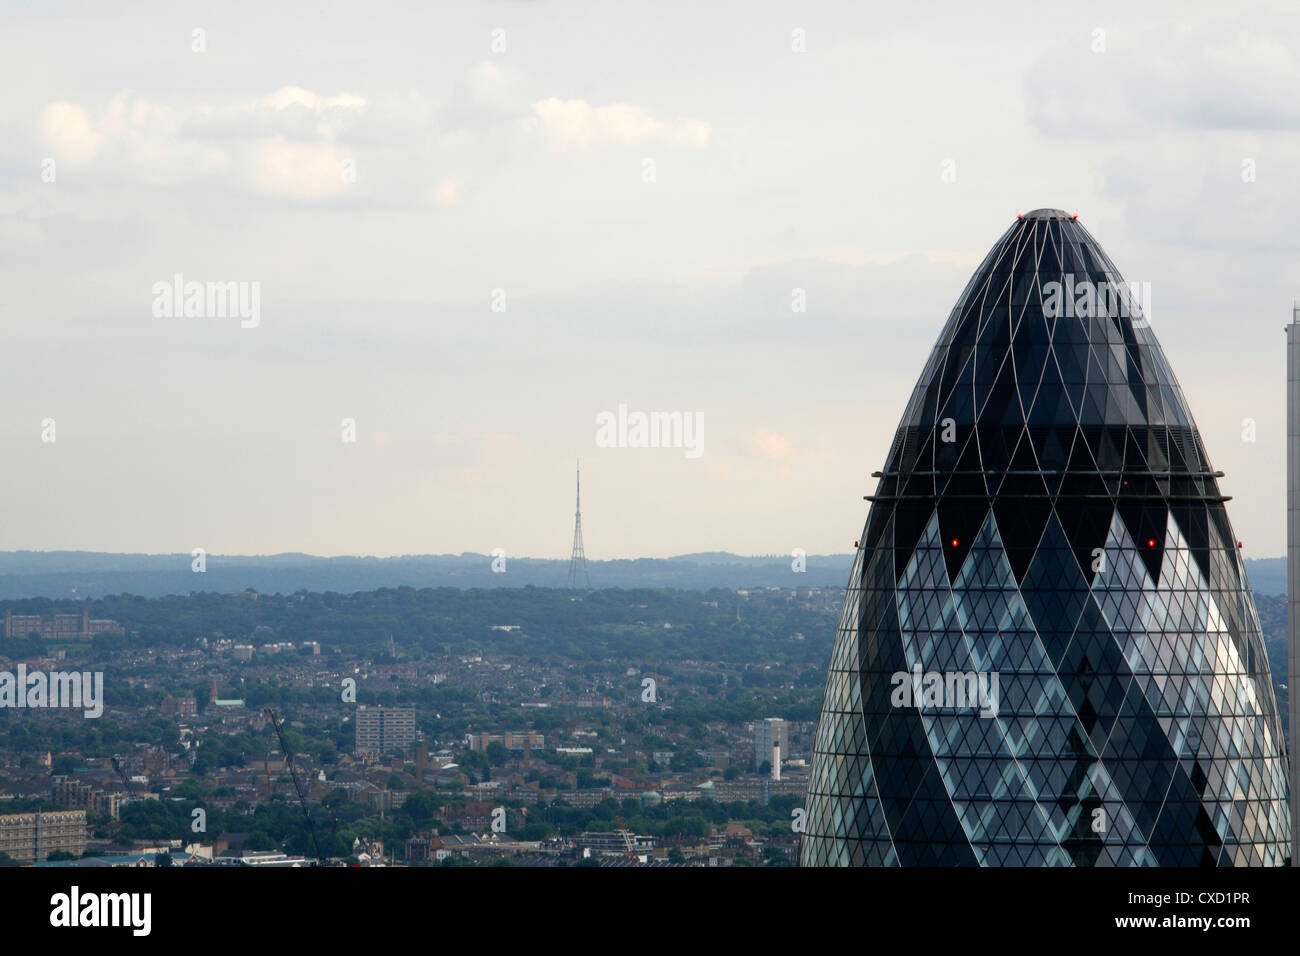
[259,841]
[421,807]
[64,764]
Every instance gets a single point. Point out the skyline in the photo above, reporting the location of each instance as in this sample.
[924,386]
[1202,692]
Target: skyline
[522,169]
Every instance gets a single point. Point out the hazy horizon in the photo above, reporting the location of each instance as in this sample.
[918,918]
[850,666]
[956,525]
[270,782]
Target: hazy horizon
[457,554]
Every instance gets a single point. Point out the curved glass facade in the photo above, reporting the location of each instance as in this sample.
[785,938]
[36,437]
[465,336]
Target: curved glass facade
[1049,654]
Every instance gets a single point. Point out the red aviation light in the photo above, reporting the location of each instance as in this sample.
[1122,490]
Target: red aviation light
[1151,542]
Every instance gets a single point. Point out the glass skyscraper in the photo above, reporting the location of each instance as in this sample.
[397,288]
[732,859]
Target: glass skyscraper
[1049,654]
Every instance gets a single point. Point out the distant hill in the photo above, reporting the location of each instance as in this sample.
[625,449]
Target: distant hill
[1267,575]
[95,574]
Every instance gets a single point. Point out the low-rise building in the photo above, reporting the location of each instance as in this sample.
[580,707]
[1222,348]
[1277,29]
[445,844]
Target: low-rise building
[61,627]
[32,837]
[511,740]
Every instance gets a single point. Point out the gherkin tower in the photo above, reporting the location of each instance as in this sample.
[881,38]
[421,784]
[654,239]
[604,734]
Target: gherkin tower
[1049,654]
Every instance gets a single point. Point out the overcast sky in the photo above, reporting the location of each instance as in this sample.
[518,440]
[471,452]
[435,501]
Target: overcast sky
[642,187]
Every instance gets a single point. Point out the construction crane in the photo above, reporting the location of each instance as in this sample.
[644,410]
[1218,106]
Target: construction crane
[122,773]
[277,723]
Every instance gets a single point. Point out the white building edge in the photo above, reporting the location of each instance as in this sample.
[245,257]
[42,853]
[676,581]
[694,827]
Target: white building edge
[1293,569]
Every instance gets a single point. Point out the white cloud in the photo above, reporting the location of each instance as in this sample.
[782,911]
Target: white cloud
[287,96]
[67,128]
[283,143]
[303,170]
[290,112]
[1199,77]
[571,125]
[131,138]
[1190,130]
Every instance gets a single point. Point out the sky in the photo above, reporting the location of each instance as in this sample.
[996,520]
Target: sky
[473,230]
